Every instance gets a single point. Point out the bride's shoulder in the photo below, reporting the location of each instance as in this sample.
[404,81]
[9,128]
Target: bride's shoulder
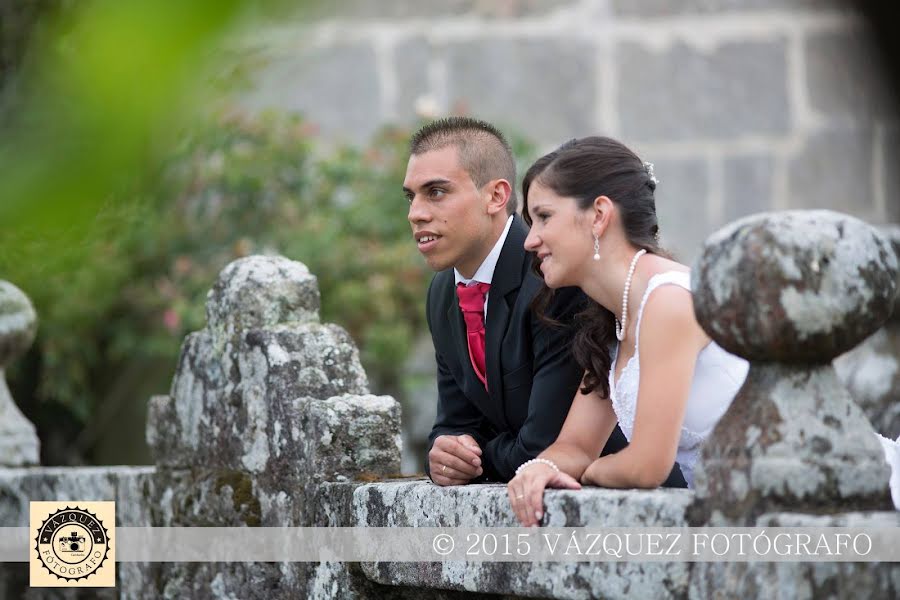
[660,264]
[667,301]
[670,303]
[668,318]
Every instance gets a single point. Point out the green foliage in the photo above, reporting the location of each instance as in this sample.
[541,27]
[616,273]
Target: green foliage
[235,185]
[240,185]
[103,79]
[90,93]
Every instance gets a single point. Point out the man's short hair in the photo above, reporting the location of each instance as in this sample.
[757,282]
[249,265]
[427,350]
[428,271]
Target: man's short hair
[483,151]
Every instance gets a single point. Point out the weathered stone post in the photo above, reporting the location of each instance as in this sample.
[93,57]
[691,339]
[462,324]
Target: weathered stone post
[266,405]
[19,445]
[790,292]
[871,371]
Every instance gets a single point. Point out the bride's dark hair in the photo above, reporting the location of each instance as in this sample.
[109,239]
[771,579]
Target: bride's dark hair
[584,169]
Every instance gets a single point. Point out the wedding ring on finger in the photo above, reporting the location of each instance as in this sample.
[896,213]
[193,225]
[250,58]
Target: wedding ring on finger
[444,470]
[520,496]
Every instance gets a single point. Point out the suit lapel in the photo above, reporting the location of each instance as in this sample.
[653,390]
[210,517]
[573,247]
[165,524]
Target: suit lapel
[472,386]
[506,281]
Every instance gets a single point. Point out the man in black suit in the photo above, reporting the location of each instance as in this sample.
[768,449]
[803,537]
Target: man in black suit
[504,403]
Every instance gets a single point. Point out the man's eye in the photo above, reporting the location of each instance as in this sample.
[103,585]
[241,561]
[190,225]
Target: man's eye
[436,193]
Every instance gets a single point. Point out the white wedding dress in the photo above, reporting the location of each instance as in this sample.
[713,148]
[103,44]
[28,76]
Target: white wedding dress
[717,377]
[892,455]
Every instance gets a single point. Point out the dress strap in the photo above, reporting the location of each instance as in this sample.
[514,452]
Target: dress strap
[679,278]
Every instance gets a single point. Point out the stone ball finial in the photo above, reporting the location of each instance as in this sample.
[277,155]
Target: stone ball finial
[18,323]
[892,233]
[796,287]
[19,444]
[261,291]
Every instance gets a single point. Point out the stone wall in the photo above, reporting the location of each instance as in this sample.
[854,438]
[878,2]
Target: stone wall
[744,106]
[269,423]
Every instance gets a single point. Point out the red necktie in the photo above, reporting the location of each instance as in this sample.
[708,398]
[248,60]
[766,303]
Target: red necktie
[471,302]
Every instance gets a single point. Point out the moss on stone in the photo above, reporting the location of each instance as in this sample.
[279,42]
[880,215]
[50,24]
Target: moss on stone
[243,500]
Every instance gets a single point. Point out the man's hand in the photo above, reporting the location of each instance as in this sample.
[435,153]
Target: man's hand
[454,460]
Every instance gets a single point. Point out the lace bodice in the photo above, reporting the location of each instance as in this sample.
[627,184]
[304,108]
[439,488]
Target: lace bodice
[717,378]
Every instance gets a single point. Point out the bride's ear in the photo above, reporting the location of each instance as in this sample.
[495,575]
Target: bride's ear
[603,214]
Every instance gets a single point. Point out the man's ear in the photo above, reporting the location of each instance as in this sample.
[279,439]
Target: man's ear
[604,210]
[500,190]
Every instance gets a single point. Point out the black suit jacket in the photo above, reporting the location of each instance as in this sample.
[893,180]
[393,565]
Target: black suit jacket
[531,374]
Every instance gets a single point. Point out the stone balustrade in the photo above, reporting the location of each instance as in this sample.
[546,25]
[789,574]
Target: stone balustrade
[269,422]
[790,292]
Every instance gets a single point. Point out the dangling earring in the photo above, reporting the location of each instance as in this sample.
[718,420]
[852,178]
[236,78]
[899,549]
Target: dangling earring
[596,247]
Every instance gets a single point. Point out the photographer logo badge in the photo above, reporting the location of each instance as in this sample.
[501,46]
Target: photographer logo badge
[72,544]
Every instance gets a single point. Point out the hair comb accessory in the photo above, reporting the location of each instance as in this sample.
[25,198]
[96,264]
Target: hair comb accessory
[648,166]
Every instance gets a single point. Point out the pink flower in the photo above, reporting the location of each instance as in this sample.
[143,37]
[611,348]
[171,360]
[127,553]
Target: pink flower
[171,320]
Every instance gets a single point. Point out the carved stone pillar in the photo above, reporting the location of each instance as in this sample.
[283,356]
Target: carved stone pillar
[268,404]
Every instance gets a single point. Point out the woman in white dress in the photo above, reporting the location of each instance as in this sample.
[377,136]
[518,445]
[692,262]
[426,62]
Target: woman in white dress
[648,364]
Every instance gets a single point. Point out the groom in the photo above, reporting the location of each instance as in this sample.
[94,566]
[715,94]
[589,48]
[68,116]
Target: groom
[505,379]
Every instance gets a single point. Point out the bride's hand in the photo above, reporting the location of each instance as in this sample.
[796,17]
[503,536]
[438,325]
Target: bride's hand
[526,491]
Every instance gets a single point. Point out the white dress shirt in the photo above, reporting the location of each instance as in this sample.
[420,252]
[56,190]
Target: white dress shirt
[485,272]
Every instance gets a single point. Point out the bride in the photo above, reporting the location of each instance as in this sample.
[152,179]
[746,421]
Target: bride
[647,363]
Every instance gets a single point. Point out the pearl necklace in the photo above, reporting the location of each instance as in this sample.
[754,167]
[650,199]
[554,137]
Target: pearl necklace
[620,328]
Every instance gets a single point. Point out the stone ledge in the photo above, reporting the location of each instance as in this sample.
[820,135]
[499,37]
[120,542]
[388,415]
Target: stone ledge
[582,581]
[129,487]
[422,504]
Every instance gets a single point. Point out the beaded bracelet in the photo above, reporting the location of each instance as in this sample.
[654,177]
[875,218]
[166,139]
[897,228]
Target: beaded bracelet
[549,463]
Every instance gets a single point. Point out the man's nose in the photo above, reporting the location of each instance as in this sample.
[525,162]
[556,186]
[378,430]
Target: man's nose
[417,211]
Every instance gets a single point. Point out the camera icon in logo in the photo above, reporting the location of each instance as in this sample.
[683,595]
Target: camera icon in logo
[73,543]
